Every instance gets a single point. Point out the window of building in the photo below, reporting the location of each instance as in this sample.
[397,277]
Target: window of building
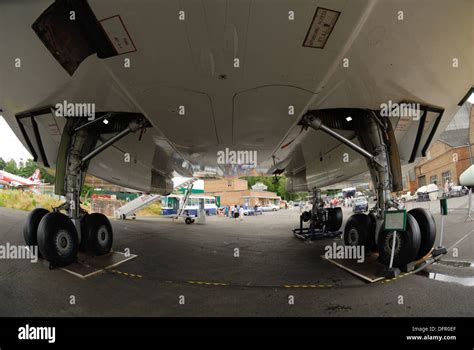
[422,181]
[434,179]
[446,176]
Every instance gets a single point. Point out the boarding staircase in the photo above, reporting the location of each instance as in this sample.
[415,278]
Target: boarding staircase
[145,200]
[138,203]
[189,189]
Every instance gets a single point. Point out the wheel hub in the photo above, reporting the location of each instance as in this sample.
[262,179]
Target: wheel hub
[353,236]
[63,243]
[389,242]
[102,235]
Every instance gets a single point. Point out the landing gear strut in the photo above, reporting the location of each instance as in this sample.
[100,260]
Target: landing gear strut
[59,236]
[378,145]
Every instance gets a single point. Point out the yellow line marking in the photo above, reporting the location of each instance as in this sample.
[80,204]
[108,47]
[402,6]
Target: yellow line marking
[307,285]
[387,280]
[133,275]
[208,283]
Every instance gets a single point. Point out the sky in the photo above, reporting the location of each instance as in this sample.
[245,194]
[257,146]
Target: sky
[10,146]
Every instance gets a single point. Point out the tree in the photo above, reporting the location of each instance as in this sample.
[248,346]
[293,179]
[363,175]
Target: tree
[27,169]
[2,163]
[11,167]
[278,187]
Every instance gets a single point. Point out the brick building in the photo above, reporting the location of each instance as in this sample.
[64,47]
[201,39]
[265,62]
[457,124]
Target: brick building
[449,156]
[234,191]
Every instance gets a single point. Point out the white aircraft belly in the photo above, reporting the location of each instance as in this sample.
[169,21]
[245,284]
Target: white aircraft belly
[191,63]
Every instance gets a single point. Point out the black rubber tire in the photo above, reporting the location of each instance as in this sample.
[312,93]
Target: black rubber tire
[30,229]
[98,234]
[83,238]
[57,239]
[427,225]
[407,246]
[306,216]
[373,226]
[357,231]
[188,221]
[334,219]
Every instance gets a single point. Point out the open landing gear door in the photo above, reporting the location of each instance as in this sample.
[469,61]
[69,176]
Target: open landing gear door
[71,32]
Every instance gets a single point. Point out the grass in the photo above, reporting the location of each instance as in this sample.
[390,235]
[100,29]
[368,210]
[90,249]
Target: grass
[27,201]
[24,200]
[152,210]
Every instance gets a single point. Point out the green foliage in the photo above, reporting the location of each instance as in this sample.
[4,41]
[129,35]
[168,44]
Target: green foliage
[87,191]
[11,167]
[2,163]
[269,181]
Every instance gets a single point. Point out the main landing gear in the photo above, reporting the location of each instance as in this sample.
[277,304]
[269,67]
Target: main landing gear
[377,143]
[61,233]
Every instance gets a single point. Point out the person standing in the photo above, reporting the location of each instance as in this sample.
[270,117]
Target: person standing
[446,188]
[241,213]
[236,213]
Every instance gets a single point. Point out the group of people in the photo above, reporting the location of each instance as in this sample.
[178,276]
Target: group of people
[236,211]
[334,202]
[448,186]
[348,202]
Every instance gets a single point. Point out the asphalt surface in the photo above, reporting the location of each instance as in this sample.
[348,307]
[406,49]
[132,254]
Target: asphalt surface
[198,262]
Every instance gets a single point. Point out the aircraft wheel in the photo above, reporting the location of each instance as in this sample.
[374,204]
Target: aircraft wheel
[427,226]
[373,226]
[358,232]
[407,244]
[30,229]
[82,242]
[306,216]
[188,221]
[98,234]
[57,239]
[334,219]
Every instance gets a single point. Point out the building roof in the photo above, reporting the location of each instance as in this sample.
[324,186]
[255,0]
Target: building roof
[455,138]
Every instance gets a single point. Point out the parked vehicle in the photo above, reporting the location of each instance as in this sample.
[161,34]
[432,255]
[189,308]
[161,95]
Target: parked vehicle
[458,191]
[170,204]
[406,197]
[360,205]
[270,207]
[427,193]
[252,211]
